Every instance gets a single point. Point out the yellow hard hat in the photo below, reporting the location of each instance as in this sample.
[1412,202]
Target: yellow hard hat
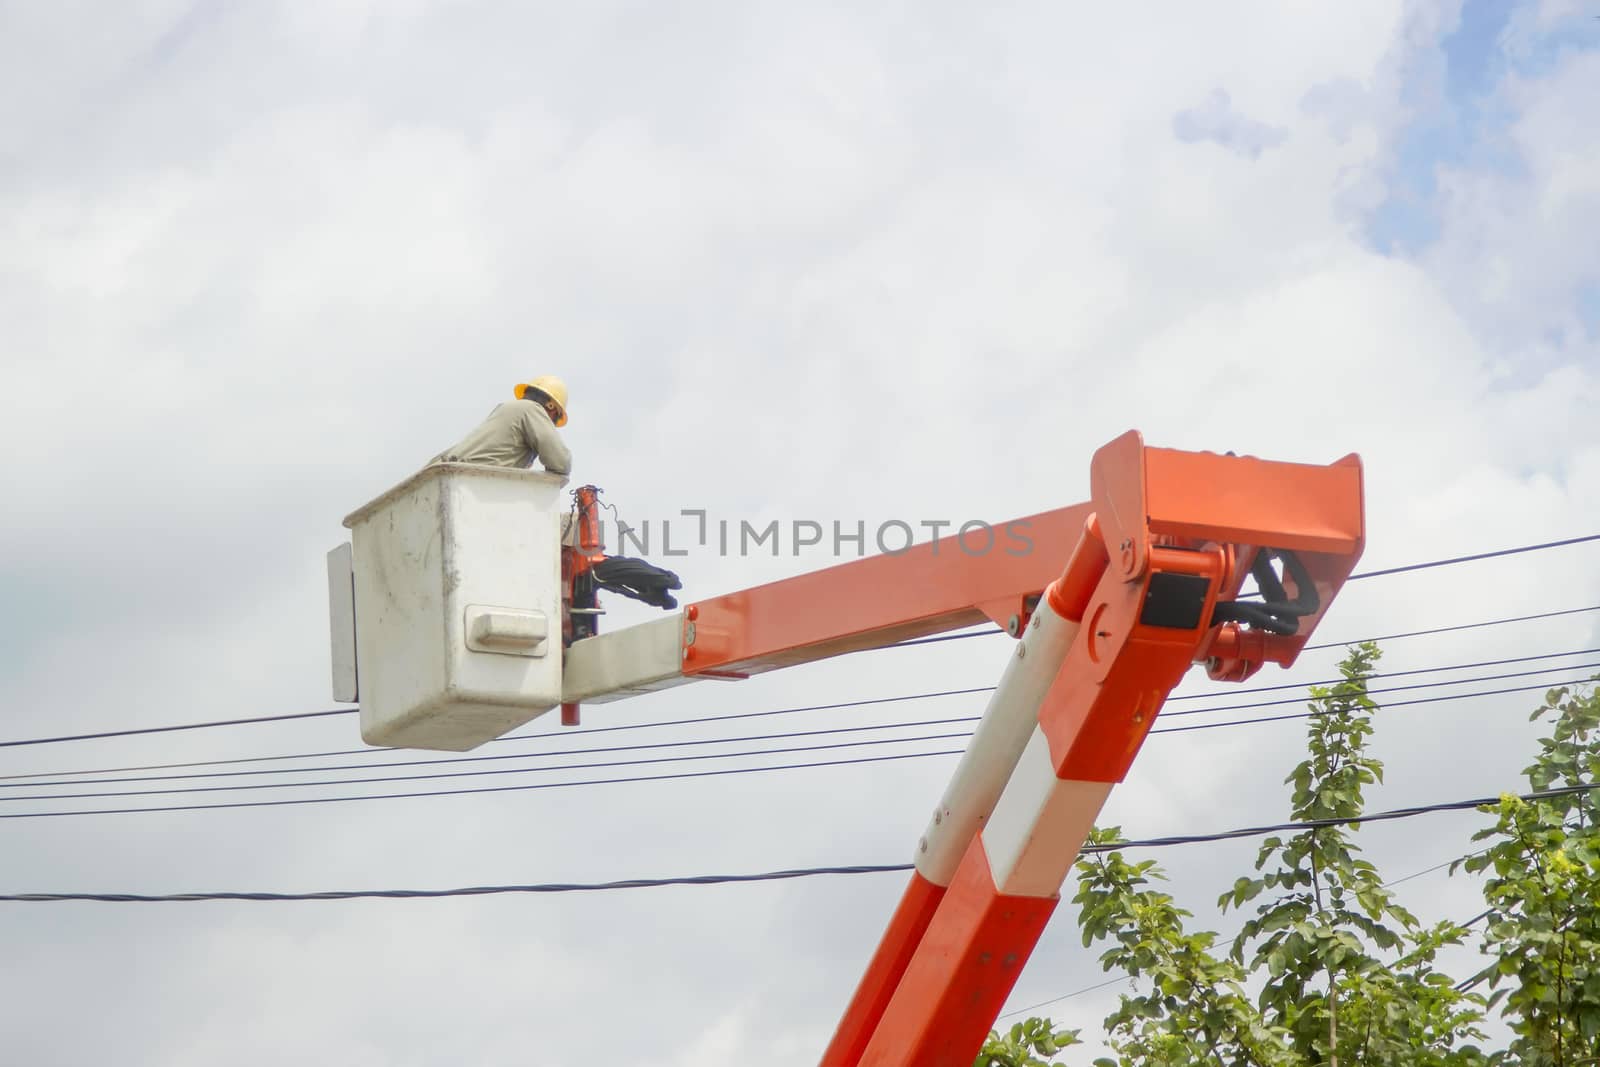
[550,386]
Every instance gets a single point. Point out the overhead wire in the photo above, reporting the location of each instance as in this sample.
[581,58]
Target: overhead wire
[715,879]
[672,744]
[642,778]
[1403,569]
[1392,674]
[256,720]
[378,751]
[682,775]
[1384,689]
[34,781]
[787,750]
[103,734]
[1495,554]
[1386,704]
[1452,629]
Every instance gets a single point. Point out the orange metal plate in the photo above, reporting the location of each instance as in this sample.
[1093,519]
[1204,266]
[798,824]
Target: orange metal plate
[900,941]
[1255,501]
[962,972]
[934,587]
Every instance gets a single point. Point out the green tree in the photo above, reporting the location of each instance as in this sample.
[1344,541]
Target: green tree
[1543,892]
[1195,1008]
[1023,1044]
[1347,975]
[1350,972]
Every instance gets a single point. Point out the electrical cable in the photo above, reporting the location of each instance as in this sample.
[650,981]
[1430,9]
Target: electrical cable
[471,891]
[662,777]
[349,711]
[715,879]
[1354,820]
[481,789]
[1451,629]
[63,781]
[181,726]
[654,746]
[1386,704]
[543,768]
[987,632]
[1352,578]
[1409,567]
[680,758]
[497,771]
[372,751]
[376,751]
[1390,674]
[1387,689]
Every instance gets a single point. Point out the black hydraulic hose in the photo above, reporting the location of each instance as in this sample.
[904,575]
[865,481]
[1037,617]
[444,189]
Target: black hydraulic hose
[1276,614]
[1306,601]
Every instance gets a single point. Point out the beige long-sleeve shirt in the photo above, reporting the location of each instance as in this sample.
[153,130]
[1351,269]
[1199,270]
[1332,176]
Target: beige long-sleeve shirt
[514,435]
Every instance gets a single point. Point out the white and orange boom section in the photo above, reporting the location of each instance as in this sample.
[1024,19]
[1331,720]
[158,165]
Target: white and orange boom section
[1149,588]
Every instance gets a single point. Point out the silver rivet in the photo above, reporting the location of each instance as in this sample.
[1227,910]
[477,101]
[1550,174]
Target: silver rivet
[1022,651]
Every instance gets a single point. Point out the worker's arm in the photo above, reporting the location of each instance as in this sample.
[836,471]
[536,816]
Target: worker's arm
[547,443]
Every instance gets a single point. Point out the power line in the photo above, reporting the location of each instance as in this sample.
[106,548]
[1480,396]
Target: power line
[654,746]
[1395,674]
[1386,704]
[1404,569]
[1451,629]
[682,758]
[1475,557]
[375,751]
[655,760]
[1354,820]
[498,771]
[44,781]
[1066,996]
[1390,689]
[349,711]
[667,777]
[181,726]
[808,872]
[471,891]
[987,632]
[483,789]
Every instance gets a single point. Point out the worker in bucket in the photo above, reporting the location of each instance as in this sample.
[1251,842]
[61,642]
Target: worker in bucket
[519,431]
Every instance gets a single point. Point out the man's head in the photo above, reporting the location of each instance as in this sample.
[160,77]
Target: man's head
[549,391]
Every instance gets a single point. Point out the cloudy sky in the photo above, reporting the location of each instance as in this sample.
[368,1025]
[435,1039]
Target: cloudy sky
[823,262]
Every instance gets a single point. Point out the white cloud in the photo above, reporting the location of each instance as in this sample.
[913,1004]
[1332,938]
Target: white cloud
[798,263]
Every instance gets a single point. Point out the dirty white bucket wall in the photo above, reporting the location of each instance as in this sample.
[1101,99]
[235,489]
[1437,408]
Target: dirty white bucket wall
[458,605]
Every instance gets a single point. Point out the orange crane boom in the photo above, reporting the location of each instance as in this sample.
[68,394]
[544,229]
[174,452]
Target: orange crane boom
[1111,603]
[1150,587]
